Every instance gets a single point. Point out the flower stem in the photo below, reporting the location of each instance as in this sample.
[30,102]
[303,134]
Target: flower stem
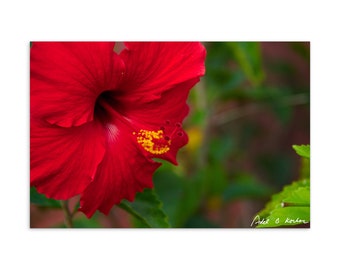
[67,213]
[202,105]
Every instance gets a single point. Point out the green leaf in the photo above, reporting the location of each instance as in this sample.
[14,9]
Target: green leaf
[305,168]
[181,197]
[41,200]
[278,198]
[147,209]
[170,189]
[298,197]
[286,216]
[289,207]
[193,192]
[302,150]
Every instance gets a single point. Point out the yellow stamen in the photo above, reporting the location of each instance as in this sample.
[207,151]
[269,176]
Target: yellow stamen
[153,141]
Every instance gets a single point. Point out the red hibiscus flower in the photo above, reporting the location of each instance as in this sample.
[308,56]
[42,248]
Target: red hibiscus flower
[98,118]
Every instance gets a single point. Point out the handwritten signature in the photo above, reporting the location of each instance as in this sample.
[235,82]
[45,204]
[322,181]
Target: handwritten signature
[265,221]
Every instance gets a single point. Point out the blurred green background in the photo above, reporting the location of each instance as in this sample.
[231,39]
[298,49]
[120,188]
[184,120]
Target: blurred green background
[248,110]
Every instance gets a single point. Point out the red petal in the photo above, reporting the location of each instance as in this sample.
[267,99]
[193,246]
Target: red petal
[123,172]
[153,67]
[165,113]
[67,77]
[64,160]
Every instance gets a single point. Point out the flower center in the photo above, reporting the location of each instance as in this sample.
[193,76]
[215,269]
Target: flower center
[158,142]
[106,104]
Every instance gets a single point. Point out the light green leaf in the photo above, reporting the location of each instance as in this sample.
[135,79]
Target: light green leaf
[147,209]
[302,150]
[286,216]
[289,207]
[298,197]
[41,200]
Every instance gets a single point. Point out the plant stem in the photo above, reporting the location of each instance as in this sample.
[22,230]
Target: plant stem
[202,105]
[67,213]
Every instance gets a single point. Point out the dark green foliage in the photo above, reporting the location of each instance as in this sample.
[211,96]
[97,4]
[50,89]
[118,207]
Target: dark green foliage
[147,209]
[40,199]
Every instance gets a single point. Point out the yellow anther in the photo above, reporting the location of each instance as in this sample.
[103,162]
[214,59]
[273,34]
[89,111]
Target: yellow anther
[153,141]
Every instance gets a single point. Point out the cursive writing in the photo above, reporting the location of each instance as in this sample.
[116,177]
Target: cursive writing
[295,221]
[259,221]
[277,221]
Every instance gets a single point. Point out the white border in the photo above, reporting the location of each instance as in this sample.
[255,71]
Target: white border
[174,20]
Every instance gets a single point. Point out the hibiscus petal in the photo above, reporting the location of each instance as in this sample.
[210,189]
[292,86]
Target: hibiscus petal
[166,114]
[67,77]
[64,161]
[123,172]
[153,67]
